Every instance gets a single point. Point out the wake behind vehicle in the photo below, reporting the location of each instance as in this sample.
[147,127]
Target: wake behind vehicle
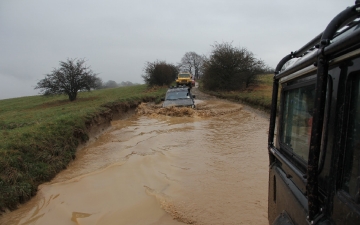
[314,175]
[180,97]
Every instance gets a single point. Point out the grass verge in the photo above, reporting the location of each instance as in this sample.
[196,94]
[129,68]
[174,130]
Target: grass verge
[258,95]
[39,135]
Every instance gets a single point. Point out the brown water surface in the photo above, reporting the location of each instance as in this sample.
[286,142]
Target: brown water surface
[163,166]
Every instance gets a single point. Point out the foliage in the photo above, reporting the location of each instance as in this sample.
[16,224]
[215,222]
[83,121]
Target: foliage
[110,84]
[192,63]
[39,135]
[159,73]
[126,83]
[72,76]
[99,84]
[230,68]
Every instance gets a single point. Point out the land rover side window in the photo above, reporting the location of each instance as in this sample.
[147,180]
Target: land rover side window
[351,178]
[296,121]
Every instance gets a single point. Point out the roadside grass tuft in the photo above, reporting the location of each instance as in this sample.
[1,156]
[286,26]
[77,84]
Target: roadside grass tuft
[39,135]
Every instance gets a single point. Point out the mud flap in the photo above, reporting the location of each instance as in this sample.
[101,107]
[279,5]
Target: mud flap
[283,219]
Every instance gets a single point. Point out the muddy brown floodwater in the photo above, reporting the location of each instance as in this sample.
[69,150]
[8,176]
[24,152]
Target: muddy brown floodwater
[164,167]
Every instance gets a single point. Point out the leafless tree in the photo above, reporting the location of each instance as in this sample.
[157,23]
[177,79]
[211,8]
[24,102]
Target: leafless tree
[72,76]
[231,68]
[192,63]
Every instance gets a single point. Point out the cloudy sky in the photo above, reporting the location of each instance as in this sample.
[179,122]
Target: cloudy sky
[117,37]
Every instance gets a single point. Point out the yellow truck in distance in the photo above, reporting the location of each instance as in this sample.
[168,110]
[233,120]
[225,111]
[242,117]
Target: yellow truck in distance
[184,78]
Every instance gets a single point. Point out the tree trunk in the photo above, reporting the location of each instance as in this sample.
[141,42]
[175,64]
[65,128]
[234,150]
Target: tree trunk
[72,96]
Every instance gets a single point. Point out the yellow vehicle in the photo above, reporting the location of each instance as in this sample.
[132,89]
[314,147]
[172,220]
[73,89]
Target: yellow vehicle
[184,78]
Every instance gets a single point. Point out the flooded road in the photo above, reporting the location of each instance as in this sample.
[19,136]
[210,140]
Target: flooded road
[205,166]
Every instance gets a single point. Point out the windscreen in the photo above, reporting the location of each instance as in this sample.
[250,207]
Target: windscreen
[177,95]
[184,75]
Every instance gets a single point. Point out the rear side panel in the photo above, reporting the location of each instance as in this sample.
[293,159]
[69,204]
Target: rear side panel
[284,197]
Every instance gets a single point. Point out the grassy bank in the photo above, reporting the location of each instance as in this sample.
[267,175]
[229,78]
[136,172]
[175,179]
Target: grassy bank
[258,95]
[39,135]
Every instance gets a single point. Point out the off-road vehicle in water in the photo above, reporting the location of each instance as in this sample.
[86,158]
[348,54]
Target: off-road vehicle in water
[184,78]
[179,97]
[314,174]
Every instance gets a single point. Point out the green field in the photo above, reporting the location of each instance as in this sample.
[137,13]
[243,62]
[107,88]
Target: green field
[39,135]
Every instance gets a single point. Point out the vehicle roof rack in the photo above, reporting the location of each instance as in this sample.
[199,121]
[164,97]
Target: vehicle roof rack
[339,25]
[179,86]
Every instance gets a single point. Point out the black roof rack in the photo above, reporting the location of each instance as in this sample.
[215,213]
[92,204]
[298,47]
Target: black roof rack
[180,87]
[342,22]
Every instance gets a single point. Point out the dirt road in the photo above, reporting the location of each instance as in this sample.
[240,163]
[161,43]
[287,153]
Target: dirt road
[204,166]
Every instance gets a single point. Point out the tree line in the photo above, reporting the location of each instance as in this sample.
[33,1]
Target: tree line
[226,68]
[112,84]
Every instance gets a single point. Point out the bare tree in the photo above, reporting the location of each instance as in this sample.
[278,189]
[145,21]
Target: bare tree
[231,68]
[192,63]
[72,76]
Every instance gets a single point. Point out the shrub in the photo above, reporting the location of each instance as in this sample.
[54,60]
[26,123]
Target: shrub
[159,73]
[230,68]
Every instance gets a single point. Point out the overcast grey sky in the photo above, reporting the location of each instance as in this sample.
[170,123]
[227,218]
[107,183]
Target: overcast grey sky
[118,37]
